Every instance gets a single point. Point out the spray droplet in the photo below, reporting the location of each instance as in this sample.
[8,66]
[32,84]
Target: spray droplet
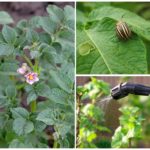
[103,103]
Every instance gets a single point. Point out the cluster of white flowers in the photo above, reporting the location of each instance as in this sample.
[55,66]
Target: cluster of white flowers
[31,77]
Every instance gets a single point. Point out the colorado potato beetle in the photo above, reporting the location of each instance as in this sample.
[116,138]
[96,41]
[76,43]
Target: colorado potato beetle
[123,30]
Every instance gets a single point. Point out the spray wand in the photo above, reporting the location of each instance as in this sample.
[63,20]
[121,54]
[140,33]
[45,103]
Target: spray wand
[124,89]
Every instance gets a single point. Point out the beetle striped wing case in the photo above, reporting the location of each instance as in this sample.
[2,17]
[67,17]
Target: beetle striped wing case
[123,31]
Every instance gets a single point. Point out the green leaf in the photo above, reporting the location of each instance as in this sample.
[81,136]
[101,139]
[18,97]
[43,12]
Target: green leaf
[66,38]
[92,111]
[91,64]
[34,54]
[5,81]
[22,24]
[56,13]
[110,55]
[45,38]
[85,49]
[3,101]
[19,112]
[57,47]
[64,143]
[9,34]
[48,25]
[11,91]
[59,96]
[17,143]
[46,116]
[20,42]
[69,12]
[42,145]
[40,126]
[63,129]
[42,89]
[48,55]
[130,127]
[66,67]
[82,19]
[6,50]
[31,97]
[139,25]
[2,40]
[62,80]
[32,36]
[9,66]
[21,126]
[3,120]
[34,22]
[69,16]
[116,139]
[5,18]
[29,88]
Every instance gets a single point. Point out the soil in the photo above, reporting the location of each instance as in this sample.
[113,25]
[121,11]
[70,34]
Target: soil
[26,10]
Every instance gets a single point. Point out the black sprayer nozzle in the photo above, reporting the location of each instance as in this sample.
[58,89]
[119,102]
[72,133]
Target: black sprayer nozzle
[123,89]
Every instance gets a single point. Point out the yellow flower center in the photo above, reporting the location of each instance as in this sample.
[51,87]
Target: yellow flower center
[30,77]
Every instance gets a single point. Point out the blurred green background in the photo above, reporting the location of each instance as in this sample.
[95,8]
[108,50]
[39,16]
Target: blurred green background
[140,8]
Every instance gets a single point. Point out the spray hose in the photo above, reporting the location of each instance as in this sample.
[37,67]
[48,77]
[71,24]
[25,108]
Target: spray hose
[124,89]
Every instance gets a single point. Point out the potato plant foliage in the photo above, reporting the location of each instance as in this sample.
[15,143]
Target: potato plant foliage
[99,50]
[39,114]
[130,127]
[90,117]
[93,131]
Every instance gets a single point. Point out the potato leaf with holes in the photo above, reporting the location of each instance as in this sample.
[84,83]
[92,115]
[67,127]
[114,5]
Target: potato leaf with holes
[100,51]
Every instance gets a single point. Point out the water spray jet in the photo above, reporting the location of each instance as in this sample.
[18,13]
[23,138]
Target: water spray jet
[124,89]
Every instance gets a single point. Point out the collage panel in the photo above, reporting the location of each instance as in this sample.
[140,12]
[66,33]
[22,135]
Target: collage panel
[113,112]
[65,74]
[113,37]
[37,74]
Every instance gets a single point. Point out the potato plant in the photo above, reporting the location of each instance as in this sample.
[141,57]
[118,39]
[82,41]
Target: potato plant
[100,51]
[143,104]
[92,131]
[130,128]
[90,117]
[37,80]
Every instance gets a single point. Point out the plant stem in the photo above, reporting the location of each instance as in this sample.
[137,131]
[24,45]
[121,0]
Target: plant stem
[36,65]
[19,87]
[33,106]
[100,94]
[93,101]
[28,61]
[130,143]
[78,120]
[55,144]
